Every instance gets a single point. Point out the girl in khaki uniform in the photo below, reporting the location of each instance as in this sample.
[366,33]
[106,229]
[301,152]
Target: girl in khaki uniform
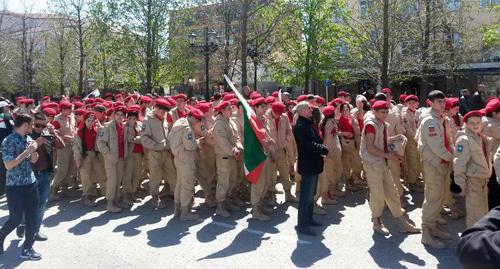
[472,167]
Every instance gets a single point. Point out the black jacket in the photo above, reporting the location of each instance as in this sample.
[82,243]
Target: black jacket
[310,148]
[479,246]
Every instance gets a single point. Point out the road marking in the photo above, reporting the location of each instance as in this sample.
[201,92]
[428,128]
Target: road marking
[260,233]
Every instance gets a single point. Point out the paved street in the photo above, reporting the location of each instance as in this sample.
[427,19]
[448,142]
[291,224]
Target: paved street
[143,238]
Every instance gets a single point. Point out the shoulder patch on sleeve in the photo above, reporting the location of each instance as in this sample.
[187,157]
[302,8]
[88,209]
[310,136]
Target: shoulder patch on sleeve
[101,133]
[460,148]
[392,147]
[143,127]
[190,135]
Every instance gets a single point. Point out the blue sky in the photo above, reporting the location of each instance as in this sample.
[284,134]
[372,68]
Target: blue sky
[35,6]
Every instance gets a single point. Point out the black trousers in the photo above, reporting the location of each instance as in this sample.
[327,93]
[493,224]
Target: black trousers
[22,200]
[493,191]
[306,202]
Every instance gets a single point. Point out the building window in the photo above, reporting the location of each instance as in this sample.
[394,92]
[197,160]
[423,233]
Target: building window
[452,5]
[363,6]
[408,47]
[342,49]
[373,36]
[488,3]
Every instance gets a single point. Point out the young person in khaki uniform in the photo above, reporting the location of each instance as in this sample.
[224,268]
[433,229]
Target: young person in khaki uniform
[85,155]
[472,167]
[64,124]
[133,161]
[433,144]
[332,171]
[206,155]
[491,129]
[412,158]
[375,154]
[154,135]
[228,148]
[178,112]
[351,161]
[281,132]
[112,143]
[185,138]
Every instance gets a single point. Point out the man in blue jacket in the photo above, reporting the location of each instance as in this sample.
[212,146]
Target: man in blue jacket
[310,149]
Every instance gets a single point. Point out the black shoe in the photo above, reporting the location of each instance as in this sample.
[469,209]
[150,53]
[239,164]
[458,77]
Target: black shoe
[315,223]
[40,237]
[20,231]
[304,231]
[30,254]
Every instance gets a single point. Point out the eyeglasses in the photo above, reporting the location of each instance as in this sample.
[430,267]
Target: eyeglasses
[37,125]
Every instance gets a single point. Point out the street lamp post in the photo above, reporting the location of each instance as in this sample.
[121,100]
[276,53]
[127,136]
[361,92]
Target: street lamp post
[207,47]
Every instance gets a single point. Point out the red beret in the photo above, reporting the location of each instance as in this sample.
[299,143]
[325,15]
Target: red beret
[269,100]
[180,96]
[87,114]
[108,95]
[78,104]
[117,104]
[257,101]
[222,105]
[118,95]
[80,111]
[120,108]
[473,113]
[145,99]
[278,107]
[386,91]
[196,113]
[171,101]
[46,98]
[98,100]
[411,97]
[321,100]
[402,98]
[128,99]
[204,107]
[89,101]
[134,108]
[336,102]
[301,98]
[64,105]
[109,111]
[372,101]
[328,111]
[162,102]
[447,103]
[293,103]
[228,97]
[380,105]
[234,101]
[76,97]
[27,101]
[342,94]
[428,102]
[50,112]
[275,94]
[455,102]
[492,105]
[254,95]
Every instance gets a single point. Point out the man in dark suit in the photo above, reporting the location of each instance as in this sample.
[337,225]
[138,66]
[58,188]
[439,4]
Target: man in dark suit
[309,165]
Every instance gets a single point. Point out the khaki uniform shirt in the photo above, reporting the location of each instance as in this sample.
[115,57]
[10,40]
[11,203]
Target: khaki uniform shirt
[154,133]
[471,158]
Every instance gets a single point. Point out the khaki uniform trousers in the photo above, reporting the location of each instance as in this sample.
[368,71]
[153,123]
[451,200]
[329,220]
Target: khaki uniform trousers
[65,167]
[161,166]
[476,200]
[351,161]
[145,164]
[207,171]
[332,173]
[226,177]
[291,154]
[283,168]
[412,162]
[114,173]
[132,177]
[395,168]
[186,179]
[382,191]
[259,190]
[92,171]
[436,182]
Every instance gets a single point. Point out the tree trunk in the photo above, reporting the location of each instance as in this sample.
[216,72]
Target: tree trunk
[23,58]
[425,52]
[81,65]
[244,21]
[62,71]
[227,32]
[385,52]
[149,49]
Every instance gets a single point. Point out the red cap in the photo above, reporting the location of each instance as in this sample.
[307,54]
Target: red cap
[255,95]
[402,98]
[80,111]
[145,99]
[328,111]
[118,95]
[428,102]
[380,105]
[87,114]
[98,100]
[473,113]
[335,102]
[78,104]
[162,102]
[386,91]
[455,102]
[134,108]
[492,105]
[269,100]
[204,107]
[278,108]
[447,103]
[228,97]
[46,98]
[411,97]
[342,94]
[108,95]
[27,101]
[89,101]
[128,99]
[49,112]
[180,96]
[196,113]
[120,108]
[275,94]
[234,101]
[75,98]
[257,101]
[292,102]
[321,100]
[301,98]
[171,101]
[222,105]
[64,105]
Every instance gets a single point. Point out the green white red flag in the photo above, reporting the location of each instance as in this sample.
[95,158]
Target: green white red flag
[253,136]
